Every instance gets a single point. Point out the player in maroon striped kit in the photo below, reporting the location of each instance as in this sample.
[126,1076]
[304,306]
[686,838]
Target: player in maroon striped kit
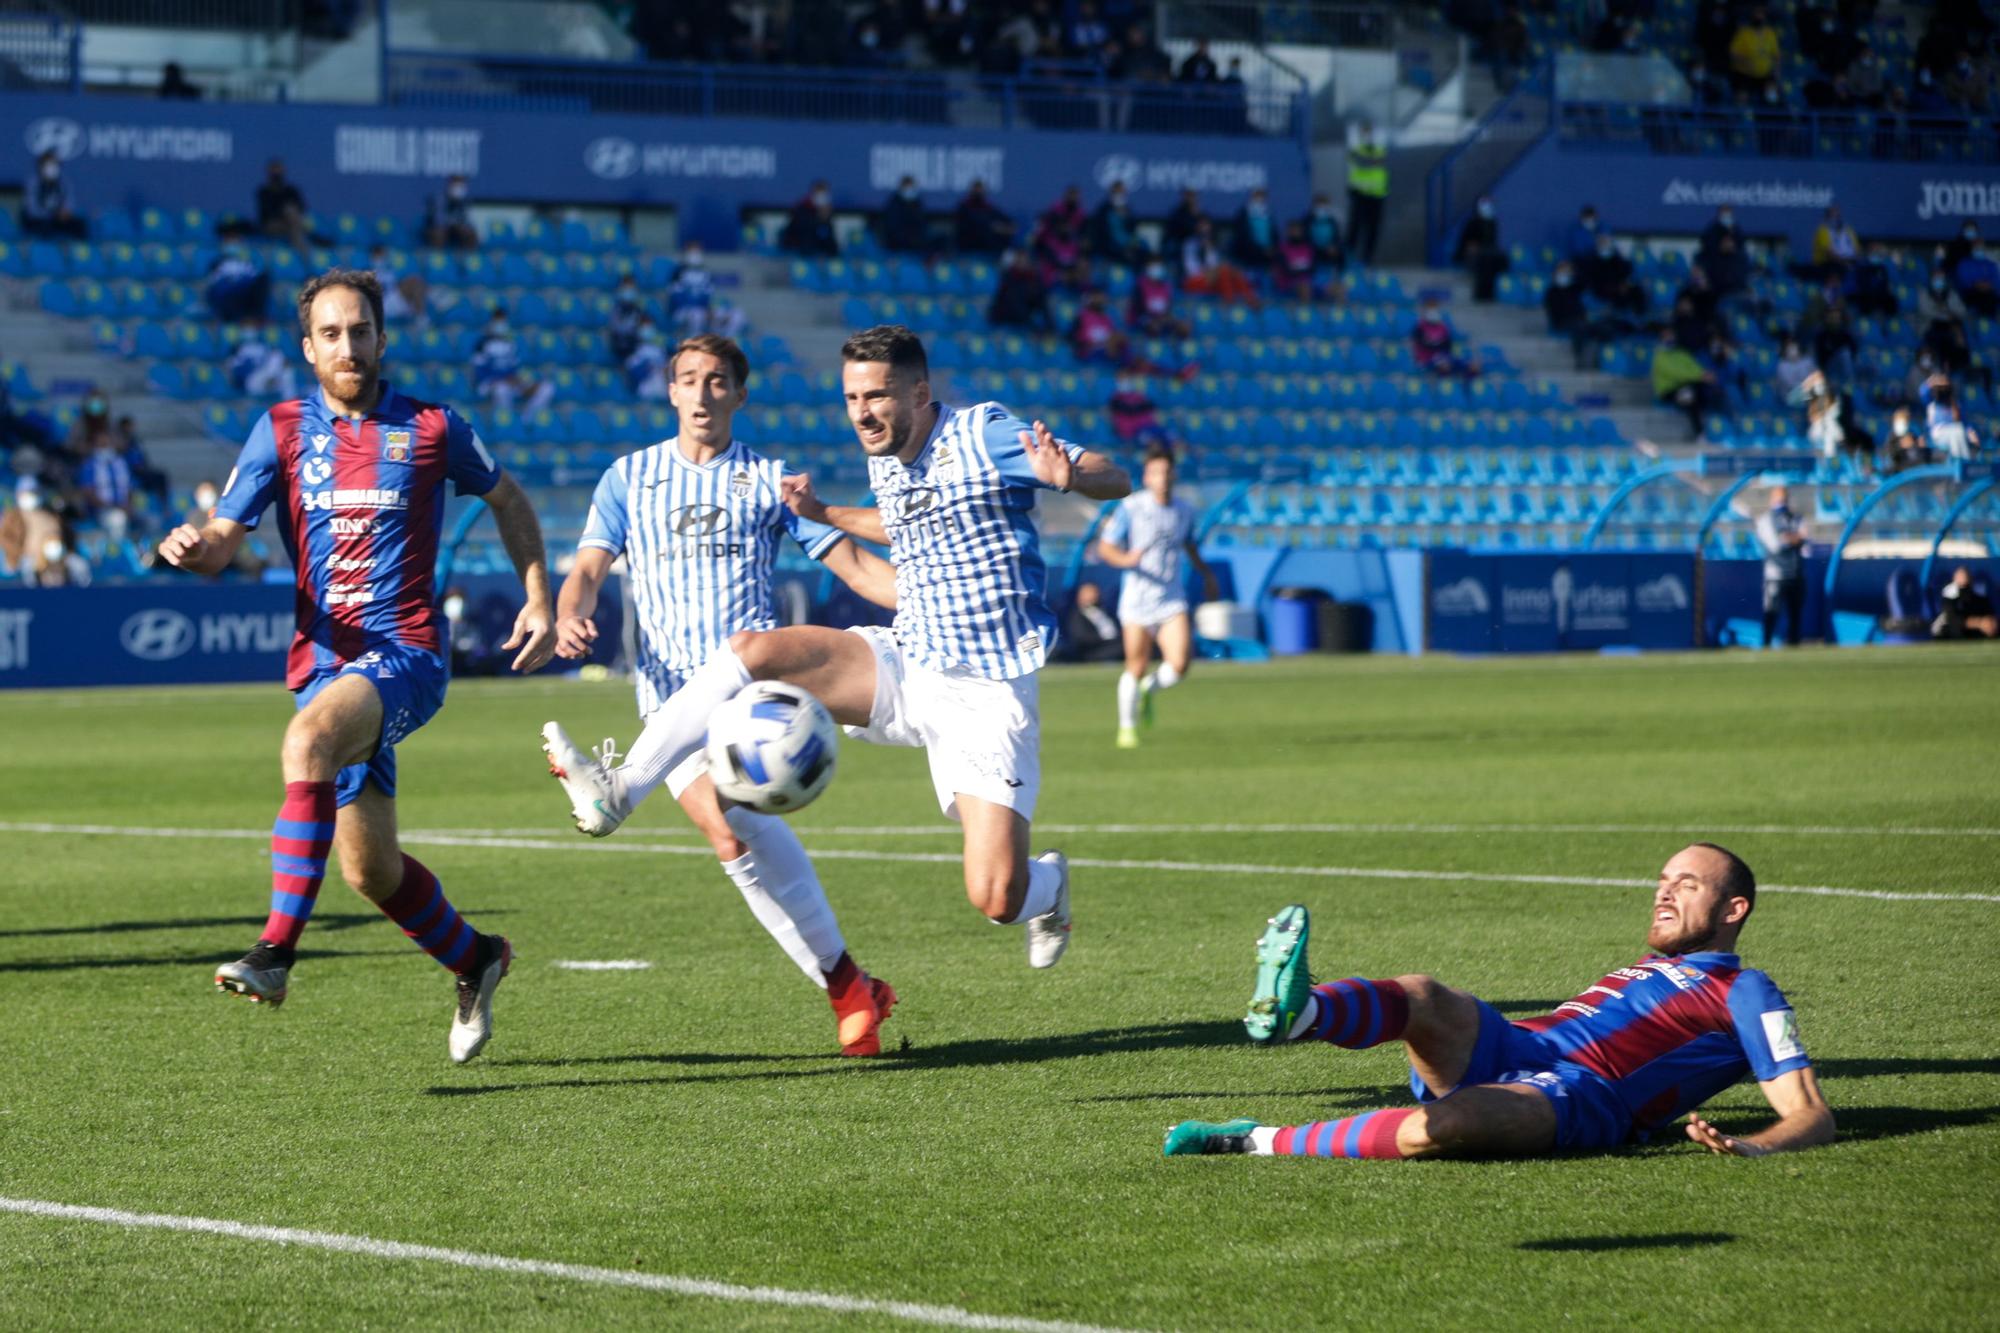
[357,473]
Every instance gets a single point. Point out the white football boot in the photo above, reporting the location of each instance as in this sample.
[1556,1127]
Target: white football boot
[1048,934]
[257,976]
[597,800]
[472,1025]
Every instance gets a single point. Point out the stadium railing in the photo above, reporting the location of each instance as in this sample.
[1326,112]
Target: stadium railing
[40,52]
[1778,132]
[1510,127]
[1065,102]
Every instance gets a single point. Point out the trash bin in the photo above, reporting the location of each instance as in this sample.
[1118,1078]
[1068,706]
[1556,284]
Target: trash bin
[1293,621]
[1345,627]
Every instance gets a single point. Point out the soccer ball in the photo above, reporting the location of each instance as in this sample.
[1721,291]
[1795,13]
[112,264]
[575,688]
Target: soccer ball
[771,747]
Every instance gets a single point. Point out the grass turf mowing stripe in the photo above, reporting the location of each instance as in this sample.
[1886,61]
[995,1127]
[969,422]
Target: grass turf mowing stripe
[940,1316]
[418,838]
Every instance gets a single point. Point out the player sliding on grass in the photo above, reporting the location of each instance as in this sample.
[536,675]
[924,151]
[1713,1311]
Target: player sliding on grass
[698,519]
[1639,1048]
[358,474]
[956,490]
[1151,537]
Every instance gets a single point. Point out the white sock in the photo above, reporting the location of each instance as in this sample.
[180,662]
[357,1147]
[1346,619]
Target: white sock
[1043,882]
[777,880]
[680,725]
[1262,1140]
[1166,677]
[1305,1019]
[1128,700]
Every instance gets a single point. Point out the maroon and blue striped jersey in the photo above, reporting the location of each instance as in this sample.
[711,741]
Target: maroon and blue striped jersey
[1670,1033]
[360,508]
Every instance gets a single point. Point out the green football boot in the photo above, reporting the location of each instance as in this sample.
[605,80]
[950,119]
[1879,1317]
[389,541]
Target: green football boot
[1283,984]
[1193,1137]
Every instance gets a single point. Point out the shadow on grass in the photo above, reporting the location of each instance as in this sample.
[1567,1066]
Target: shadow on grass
[949,1055]
[208,959]
[1669,1240]
[1866,1124]
[1308,1099]
[323,923]
[1869,1068]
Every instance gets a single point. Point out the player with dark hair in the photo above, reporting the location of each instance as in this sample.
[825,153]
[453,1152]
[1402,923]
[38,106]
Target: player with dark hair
[1151,538]
[358,474]
[698,520]
[1640,1047]
[955,491]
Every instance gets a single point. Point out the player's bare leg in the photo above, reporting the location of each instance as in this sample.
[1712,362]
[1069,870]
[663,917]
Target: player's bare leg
[1009,888]
[837,667]
[339,726]
[1132,685]
[763,857]
[1487,1120]
[1442,1030]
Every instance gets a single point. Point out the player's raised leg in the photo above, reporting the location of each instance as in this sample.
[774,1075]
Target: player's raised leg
[338,726]
[765,860]
[838,668]
[1009,887]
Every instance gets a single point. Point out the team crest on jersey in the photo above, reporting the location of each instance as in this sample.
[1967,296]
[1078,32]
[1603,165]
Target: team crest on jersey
[944,463]
[395,446]
[739,484]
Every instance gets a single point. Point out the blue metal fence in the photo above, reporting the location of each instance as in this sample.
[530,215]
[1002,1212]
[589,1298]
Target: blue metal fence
[1070,102]
[1510,128]
[39,53]
[1779,132]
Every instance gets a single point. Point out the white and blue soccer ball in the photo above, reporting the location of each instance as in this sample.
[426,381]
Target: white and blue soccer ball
[772,747]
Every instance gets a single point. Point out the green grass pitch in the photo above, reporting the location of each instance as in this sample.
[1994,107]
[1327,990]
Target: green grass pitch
[1003,1158]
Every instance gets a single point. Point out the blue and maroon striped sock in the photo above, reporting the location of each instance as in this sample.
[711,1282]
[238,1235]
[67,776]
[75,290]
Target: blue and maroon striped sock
[1370,1134]
[419,906]
[300,841]
[1357,1014]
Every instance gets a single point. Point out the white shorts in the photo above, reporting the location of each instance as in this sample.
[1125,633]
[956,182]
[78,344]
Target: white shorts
[983,736]
[682,775]
[1148,608]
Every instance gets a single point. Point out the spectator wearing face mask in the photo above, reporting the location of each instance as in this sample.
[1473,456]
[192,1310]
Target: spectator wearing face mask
[1569,316]
[1021,299]
[1112,237]
[1434,344]
[646,364]
[497,373]
[1581,242]
[978,226]
[1293,267]
[1151,309]
[1253,243]
[809,231]
[1977,278]
[1480,252]
[281,208]
[1323,233]
[448,221]
[27,527]
[691,292]
[1610,278]
[1794,367]
[1959,247]
[1939,300]
[1754,54]
[905,230]
[47,210]
[1204,272]
[1907,447]
[1945,426]
[628,312]
[55,565]
[1722,225]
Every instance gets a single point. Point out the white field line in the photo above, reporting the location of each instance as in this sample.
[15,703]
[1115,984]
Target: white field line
[601,964]
[940,1316]
[572,844]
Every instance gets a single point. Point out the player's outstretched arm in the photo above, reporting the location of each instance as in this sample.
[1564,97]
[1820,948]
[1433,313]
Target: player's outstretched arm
[1804,1120]
[1210,588]
[863,521]
[208,549]
[577,602]
[520,532]
[867,573]
[1091,475]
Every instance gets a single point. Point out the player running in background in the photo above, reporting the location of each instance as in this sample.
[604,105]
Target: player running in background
[1151,538]
[956,489]
[358,474]
[698,519]
[1637,1049]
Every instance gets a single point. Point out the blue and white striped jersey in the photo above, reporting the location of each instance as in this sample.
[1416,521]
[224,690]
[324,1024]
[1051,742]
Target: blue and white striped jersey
[970,582]
[699,542]
[1158,534]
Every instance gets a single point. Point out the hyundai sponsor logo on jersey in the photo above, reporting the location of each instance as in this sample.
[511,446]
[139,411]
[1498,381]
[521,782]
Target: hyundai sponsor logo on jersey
[147,634]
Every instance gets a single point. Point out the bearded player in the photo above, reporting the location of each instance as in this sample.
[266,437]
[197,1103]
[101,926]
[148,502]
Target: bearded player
[956,488]
[698,519]
[358,474]
[1151,537]
[1641,1047]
